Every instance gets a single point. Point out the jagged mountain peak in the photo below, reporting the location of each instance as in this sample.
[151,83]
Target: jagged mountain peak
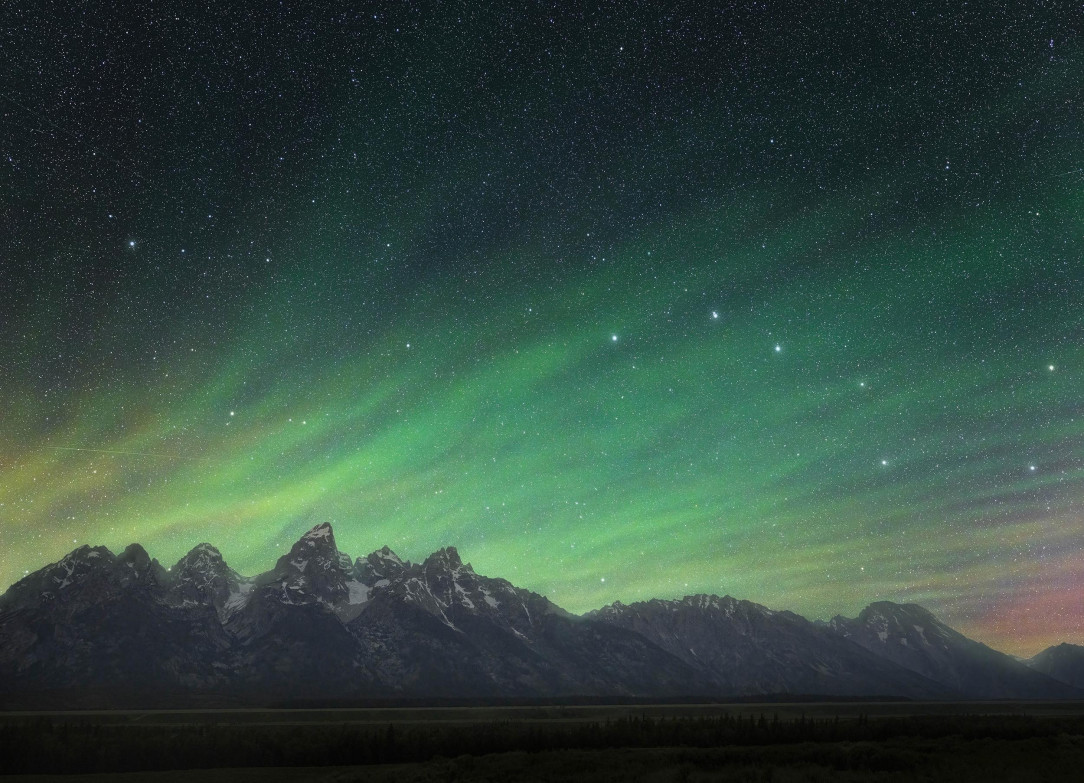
[203,560]
[384,555]
[135,555]
[381,564]
[726,605]
[72,567]
[314,551]
[323,530]
[86,568]
[701,602]
[202,575]
[202,557]
[446,558]
[141,566]
[909,625]
[89,553]
[313,571]
[319,537]
[205,548]
[890,609]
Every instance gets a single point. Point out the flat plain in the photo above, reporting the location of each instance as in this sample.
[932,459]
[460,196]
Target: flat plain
[785,741]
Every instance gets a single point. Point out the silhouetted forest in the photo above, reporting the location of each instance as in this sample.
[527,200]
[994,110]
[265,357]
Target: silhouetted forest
[699,746]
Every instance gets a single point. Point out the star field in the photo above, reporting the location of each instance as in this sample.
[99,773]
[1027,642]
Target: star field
[748,298]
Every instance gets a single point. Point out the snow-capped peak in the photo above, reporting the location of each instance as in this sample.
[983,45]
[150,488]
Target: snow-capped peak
[202,557]
[323,530]
[447,558]
[381,565]
[448,555]
[385,553]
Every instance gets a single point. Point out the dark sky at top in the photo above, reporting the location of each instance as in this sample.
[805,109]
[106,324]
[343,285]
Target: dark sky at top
[776,299]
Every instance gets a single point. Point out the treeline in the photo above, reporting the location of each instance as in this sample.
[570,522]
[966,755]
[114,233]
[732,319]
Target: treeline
[81,745]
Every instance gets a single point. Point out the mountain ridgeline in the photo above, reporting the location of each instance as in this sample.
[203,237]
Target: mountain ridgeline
[103,630]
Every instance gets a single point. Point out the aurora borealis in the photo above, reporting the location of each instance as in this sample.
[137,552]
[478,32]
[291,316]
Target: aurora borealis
[760,299]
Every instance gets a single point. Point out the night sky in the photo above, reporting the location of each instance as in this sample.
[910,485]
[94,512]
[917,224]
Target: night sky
[780,300]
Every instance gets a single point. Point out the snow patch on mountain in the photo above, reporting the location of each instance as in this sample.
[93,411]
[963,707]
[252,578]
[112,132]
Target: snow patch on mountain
[358,592]
[321,531]
[238,597]
[69,568]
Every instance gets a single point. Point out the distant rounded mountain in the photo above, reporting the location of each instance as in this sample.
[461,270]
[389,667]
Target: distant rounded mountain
[1063,662]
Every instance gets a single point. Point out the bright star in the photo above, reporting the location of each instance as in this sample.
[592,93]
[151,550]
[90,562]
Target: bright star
[714,314]
[131,243]
[613,338]
[884,462]
[778,348]
[1050,367]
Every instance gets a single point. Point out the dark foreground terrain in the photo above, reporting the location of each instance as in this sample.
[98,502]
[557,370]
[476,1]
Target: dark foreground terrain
[767,742]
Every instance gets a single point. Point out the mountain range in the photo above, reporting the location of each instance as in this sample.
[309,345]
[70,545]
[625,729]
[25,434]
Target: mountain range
[103,630]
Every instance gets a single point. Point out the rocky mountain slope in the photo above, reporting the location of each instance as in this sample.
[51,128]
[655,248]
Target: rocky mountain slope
[98,629]
[747,649]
